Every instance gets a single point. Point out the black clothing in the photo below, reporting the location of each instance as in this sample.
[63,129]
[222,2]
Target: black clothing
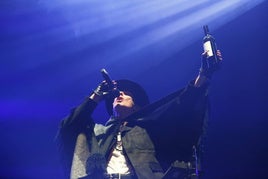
[154,137]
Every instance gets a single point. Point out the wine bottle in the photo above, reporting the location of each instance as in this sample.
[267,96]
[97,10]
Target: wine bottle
[210,47]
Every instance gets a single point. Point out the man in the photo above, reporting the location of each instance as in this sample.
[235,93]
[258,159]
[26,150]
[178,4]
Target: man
[140,140]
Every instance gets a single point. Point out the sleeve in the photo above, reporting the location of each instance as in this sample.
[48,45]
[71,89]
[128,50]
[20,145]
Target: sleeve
[176,124]
[77,122]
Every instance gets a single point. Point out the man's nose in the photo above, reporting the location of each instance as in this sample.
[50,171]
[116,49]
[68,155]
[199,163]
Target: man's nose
[121,93]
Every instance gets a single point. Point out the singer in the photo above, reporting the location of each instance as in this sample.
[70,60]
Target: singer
[140,140]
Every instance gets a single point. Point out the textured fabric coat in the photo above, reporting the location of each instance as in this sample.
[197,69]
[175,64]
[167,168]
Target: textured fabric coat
[154,137]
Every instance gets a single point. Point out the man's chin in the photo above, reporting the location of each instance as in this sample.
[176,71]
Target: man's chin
[121,108]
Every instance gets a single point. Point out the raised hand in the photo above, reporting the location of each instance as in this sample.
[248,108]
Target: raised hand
[209,64]
[104,90]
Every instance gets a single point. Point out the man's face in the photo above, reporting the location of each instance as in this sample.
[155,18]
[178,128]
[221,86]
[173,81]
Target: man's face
[125,100]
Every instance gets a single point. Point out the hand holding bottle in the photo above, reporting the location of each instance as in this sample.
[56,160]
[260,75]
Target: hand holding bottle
[211,58]
[209,65]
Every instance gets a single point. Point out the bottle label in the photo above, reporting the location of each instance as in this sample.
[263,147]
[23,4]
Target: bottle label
[208,48]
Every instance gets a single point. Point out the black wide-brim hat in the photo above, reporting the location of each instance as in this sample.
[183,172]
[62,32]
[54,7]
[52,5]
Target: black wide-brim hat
[138,94]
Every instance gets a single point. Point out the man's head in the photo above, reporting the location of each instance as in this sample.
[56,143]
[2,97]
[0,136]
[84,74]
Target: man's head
[132,97]
[124,105]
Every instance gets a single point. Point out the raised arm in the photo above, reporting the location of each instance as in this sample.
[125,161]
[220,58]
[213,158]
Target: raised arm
[206,71]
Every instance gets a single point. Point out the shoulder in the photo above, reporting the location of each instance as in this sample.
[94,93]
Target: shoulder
[99,129]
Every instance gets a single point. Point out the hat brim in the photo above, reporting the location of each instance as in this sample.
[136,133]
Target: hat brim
[138,94]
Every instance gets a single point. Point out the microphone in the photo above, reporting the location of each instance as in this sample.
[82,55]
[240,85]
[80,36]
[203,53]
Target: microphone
[109,81]
[106,76]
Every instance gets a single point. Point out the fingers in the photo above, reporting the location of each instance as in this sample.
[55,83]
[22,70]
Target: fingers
[105,82]
[105,86]
[114,82]
[114,85]
[205,53]
[219,54]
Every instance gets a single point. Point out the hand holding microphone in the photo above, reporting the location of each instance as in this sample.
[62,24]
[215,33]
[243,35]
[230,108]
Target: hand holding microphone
[107,78]
[107,88]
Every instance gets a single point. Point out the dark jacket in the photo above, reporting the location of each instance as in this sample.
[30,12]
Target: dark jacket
[157,135]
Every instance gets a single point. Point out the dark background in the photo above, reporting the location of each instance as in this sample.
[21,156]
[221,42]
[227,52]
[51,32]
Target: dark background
[48,66]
